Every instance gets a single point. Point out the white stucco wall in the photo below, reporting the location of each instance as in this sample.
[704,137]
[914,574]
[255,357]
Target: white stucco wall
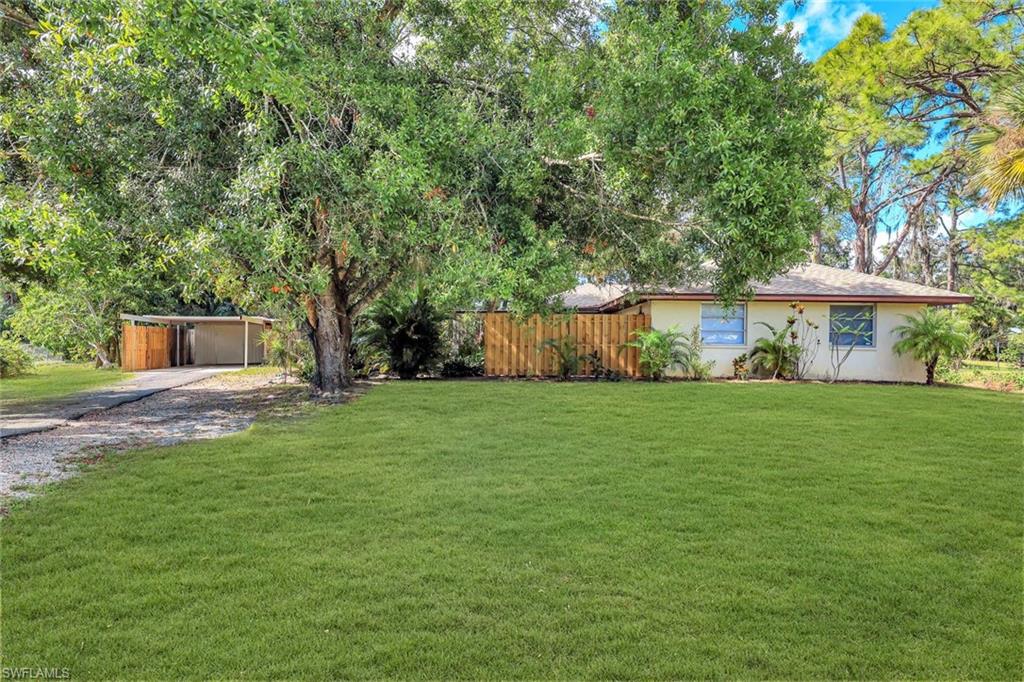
[878,363]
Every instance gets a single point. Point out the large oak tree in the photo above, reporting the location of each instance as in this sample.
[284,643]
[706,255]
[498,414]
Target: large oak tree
[311,153]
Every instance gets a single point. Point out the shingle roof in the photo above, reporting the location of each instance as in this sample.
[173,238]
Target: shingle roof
[805,282]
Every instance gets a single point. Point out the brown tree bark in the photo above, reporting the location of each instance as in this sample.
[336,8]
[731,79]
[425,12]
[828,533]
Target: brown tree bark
[331,335]
[953,252]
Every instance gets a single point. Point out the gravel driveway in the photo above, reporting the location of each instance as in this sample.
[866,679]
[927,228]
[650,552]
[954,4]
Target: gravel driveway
[209,408]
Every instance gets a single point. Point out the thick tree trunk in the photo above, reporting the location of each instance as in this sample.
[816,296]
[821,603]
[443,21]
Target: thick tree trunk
[331,335]
[929,372]
[860,249]
[329,315]
[816,246]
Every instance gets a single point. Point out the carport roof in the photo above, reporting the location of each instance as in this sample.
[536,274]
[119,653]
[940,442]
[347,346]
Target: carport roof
[197,319]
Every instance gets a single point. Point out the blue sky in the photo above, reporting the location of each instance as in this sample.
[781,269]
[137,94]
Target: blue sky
[823,23]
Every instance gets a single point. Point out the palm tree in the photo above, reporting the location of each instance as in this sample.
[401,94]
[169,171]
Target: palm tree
[775,355]
[930,335]
[998,146]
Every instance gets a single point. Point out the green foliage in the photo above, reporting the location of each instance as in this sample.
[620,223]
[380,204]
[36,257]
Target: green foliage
[740,370]
[1008,377]
[900,105]
[661,350]
[407,327]
[312,154]
[568,361]
[775,355]
[997,147]
[461,338]
[1014,352]
[929,336]
[514,530]
[658,350]
[284,346]
[691,357]
[14,360]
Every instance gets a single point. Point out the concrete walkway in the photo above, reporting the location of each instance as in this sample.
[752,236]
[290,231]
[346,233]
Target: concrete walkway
[23,419]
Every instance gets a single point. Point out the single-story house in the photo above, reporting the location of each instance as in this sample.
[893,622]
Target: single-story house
[157,341]
[832,298]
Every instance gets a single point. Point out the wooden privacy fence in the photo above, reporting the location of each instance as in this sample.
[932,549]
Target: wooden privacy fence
[517,349]
[146,347]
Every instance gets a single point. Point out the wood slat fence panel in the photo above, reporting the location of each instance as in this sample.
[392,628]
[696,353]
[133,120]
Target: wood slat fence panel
[517,349]
[145,347]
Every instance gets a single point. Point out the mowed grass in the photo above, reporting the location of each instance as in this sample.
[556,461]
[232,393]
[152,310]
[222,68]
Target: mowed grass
[53,380]
[543,530]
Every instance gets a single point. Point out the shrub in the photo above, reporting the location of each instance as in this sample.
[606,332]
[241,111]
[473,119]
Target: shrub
[463,354]
[1014,353]
[775,355]
[740,370]
[407,328]
[661,350]
[284,346]
[462,367]
[567,358]
[14,360]
[692,362]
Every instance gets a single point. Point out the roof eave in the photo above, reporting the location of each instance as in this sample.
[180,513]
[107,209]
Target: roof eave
[952,299]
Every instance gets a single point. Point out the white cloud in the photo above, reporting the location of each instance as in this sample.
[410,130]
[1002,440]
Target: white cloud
[822,23]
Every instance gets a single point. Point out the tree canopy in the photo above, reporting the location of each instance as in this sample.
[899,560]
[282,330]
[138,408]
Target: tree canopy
[310,155]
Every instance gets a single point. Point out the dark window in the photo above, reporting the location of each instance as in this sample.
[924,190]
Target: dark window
[851,325]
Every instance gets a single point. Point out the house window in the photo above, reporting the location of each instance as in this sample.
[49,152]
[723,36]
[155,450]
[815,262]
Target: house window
[851,325]
[721,327]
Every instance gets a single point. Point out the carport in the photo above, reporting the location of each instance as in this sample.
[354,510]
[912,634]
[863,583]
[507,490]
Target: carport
[158,341]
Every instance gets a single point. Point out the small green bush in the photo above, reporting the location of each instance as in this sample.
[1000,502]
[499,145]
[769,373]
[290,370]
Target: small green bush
[1014,353]
[775,355]
[567,357]
[14,360]
[661,350]
[406,327]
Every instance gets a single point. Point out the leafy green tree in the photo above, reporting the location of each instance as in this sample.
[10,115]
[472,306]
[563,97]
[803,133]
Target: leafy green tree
[309,154]
[993,271]
[929,336]
[891,99]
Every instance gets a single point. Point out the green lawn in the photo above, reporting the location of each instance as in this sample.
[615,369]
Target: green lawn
[539,530]
[52,380]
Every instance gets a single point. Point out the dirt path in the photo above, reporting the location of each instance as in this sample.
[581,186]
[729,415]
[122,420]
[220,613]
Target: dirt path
[21,419]
[209,408]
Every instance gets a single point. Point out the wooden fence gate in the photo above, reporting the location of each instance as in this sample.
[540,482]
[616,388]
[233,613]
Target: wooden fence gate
[146,347]
[518,349]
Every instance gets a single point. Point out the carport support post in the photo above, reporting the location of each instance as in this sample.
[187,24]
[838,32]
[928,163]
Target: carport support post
[245,353]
